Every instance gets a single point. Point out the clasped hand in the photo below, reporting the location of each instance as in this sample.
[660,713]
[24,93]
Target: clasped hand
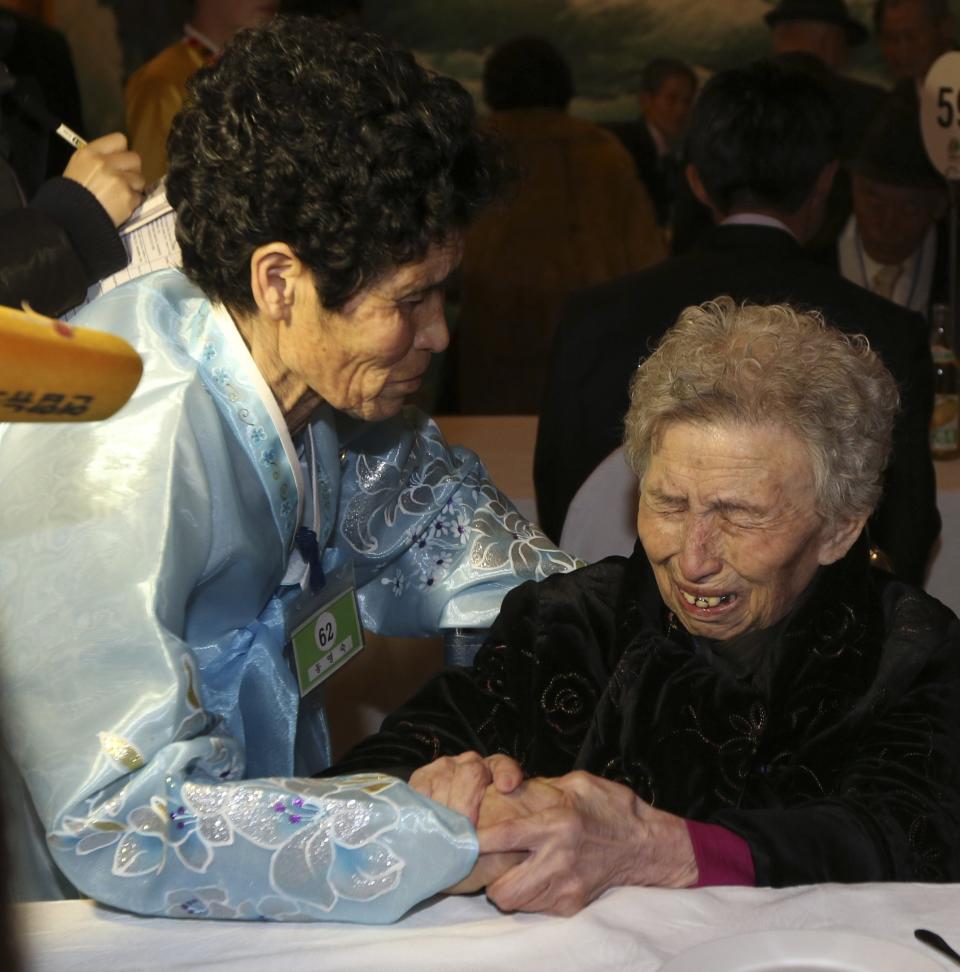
[553,845]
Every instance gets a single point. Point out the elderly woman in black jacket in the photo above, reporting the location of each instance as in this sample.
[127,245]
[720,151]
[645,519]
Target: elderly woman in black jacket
[748,698]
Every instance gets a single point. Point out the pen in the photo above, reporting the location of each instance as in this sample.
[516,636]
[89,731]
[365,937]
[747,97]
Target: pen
[70,136]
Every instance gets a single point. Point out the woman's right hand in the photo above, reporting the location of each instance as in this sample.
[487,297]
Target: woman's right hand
[530,798]
[109,170]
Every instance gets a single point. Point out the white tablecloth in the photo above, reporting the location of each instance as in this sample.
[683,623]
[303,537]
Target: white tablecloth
[628,928]
[636,929]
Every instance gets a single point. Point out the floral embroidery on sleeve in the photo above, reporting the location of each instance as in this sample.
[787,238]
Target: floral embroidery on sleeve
[324,840]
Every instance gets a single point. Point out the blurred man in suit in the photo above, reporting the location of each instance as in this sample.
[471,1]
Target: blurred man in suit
[762,154]
[892,244]
[667,89]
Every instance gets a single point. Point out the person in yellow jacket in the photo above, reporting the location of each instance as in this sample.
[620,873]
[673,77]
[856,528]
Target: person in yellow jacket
[155,92]
[578,215]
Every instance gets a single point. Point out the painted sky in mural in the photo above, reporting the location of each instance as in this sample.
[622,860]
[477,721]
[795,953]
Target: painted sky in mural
[606,41]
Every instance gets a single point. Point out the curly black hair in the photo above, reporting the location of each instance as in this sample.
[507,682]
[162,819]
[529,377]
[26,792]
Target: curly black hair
[327,138]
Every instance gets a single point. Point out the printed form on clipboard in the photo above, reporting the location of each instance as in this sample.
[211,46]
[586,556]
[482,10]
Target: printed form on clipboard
[151,244]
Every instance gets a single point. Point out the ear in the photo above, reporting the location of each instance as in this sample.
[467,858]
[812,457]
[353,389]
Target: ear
[697,187]
[700,191]
[823,185]
[839,537]
[645,99]
[275,274]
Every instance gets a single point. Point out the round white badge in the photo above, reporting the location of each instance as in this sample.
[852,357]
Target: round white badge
[940,114]
[325,631]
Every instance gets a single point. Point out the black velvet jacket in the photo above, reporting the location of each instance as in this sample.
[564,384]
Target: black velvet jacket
[836,759]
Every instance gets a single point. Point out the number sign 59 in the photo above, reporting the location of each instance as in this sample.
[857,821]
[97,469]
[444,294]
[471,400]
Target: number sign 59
[947,114]
[940,114]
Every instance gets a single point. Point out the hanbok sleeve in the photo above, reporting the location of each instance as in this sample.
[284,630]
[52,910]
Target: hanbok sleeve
[143,679]
[433,542]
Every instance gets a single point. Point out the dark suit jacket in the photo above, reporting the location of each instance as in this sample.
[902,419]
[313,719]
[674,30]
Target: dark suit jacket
[607,330]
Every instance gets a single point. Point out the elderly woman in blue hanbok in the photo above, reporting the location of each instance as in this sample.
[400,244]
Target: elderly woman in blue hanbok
[171,574]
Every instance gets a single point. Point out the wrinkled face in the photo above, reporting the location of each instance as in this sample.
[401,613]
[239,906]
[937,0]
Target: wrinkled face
[893,220]
[911,40]
[366,358]
[669,108]
[727,520]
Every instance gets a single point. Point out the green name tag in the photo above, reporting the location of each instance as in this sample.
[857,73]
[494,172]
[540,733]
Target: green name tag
[329,638]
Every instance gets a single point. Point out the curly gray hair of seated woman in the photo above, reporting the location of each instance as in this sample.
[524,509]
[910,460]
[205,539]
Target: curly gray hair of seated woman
[724,363]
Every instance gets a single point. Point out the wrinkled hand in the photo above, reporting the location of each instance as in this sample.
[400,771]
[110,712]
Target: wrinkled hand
[600,835]
[531,797]
[459,782]
[106,168]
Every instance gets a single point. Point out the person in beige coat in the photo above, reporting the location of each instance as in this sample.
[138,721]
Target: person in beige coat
[577,215]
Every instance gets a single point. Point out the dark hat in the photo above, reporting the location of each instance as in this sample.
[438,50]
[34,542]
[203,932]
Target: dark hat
[829,11]
[892,150]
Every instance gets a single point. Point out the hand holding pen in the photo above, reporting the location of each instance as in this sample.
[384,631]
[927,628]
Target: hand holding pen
[109,170]
[105,166]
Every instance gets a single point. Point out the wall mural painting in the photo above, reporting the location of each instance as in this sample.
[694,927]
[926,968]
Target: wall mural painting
[606,41]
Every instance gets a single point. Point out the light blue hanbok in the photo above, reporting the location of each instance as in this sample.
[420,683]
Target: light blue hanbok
[147,573]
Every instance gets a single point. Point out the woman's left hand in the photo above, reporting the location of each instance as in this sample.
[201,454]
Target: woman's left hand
[600,835]
[459,782]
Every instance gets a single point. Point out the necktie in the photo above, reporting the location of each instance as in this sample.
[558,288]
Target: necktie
[885,279]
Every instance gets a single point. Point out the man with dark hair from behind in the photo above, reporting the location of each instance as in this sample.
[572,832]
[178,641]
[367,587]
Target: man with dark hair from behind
[816,37]
[667,89]
[762,154]
[913,34]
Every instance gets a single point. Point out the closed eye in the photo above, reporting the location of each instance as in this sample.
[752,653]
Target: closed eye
[741,516]
[660,503]
[420,296]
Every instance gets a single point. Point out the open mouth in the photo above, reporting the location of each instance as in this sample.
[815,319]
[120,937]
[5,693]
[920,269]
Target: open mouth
[706,604]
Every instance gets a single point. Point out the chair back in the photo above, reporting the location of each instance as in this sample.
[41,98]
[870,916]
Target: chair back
[602,518]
